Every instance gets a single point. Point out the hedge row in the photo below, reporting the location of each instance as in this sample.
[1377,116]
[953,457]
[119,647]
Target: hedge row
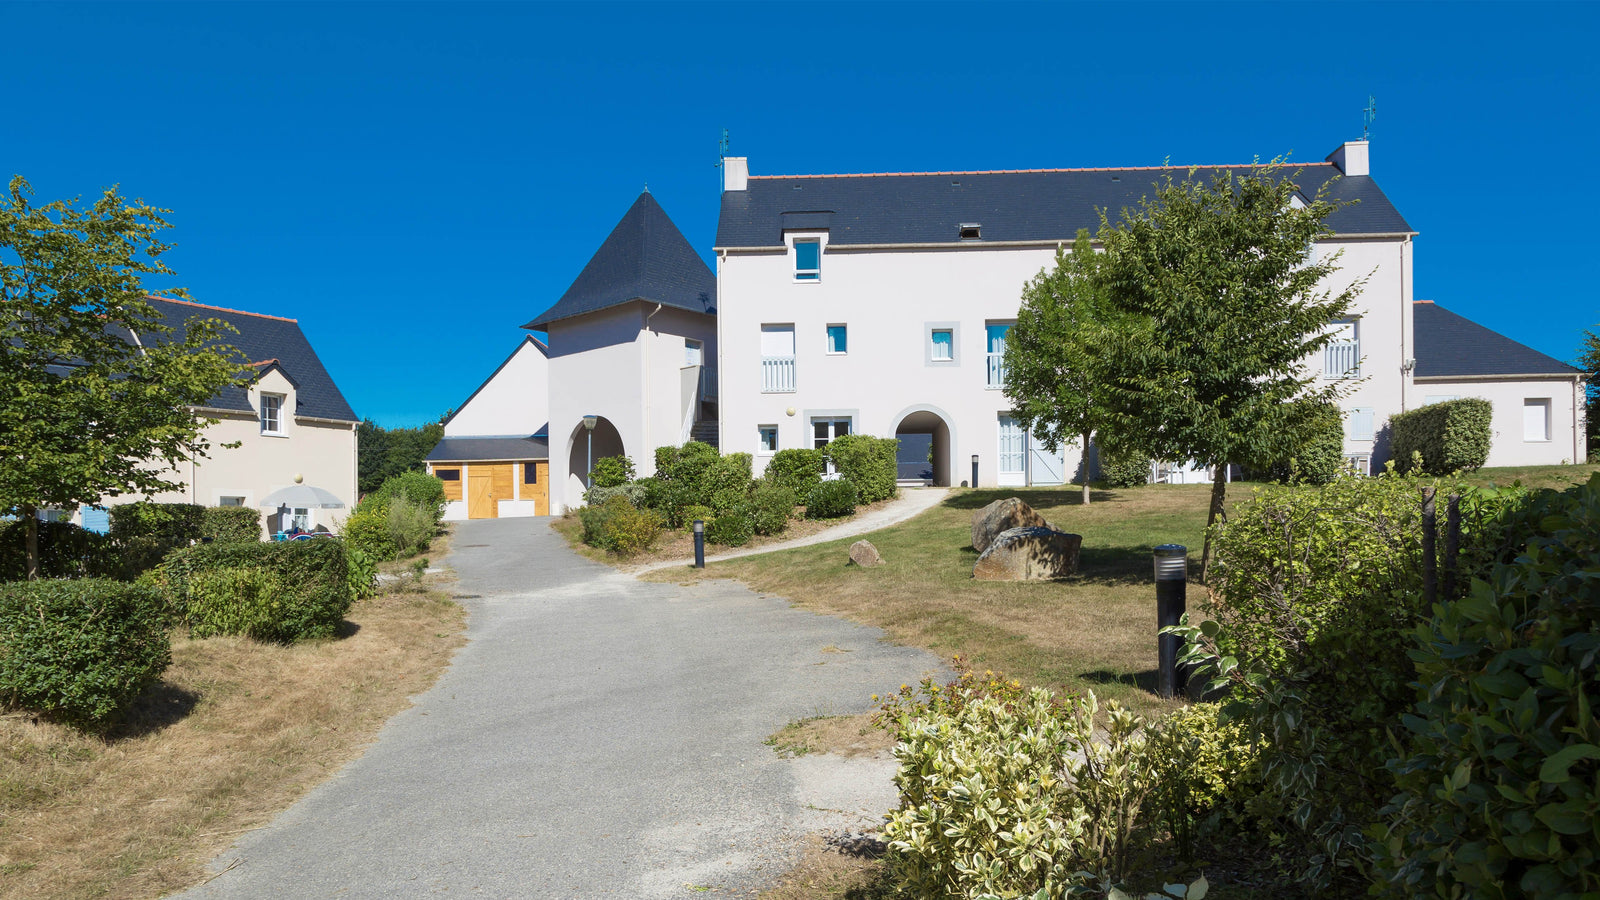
[279,591]
[867,462]
[1453,436]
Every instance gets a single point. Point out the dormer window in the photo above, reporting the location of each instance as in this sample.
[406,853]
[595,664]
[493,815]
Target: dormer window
[971,231]
[808,259]
[272,414]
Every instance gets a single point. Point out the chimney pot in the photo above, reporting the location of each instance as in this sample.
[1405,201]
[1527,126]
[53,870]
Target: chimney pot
[1351,158]
[735,173]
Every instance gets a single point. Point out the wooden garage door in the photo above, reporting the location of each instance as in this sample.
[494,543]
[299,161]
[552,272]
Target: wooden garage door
[487,485]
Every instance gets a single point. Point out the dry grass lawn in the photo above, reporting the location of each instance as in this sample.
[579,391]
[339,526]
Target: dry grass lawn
[234,733]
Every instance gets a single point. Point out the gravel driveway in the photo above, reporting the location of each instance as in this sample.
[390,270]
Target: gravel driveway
[597,737]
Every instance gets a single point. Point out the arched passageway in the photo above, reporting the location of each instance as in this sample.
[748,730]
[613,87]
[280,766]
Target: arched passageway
[583,448]
[925,443]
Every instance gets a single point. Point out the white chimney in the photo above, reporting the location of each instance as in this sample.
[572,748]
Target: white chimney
[1351,158]
[735,173]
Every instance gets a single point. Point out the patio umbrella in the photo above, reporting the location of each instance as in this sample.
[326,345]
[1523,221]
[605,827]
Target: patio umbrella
[301,496]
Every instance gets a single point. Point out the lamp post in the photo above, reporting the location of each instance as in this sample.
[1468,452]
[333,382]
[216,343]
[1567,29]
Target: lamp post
[974,470]
[588,424]
[1172,582]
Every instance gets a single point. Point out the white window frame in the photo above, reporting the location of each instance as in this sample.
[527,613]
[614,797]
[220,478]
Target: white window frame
[695,349]
[276,402]
[1543,403]
[1332,347]
[828,337]
[806,276]
[995,368]
[762,447]
[833,420]
[928,330]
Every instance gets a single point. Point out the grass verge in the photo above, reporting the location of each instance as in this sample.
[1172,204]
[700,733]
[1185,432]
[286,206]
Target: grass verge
[234,732]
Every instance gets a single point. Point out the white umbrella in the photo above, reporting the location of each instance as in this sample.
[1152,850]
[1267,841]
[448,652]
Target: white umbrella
[301,496]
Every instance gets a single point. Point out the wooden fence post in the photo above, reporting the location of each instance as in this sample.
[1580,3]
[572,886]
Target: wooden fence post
[1430,559]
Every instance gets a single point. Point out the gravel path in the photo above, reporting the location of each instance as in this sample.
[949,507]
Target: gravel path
[911,502]
[597,737]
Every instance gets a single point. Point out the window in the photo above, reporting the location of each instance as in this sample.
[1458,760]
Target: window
[1341,357]
[838,339]
[693,352]
[272,414]
[530,473]
[1360,427]
[230,501]
[448,474]
[996,334]
[769,438]
[825,430]
[1536,419]
[944,344]
[777,359]
[1358,464]
[808,259]
[300,520]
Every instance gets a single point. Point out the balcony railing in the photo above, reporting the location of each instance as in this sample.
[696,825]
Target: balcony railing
[997,371]
[777,374]
[1342,359]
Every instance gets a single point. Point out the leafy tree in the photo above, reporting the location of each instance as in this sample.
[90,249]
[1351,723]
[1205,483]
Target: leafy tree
[1219,305]
[1054,370]
[382,453]
[97,394]
[1589,361]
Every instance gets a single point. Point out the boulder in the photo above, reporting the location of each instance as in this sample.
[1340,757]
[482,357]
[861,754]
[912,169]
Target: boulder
[1033,553]
[865,555]
[1002,515]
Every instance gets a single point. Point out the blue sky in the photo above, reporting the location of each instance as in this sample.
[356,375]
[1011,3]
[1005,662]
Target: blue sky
[415,181]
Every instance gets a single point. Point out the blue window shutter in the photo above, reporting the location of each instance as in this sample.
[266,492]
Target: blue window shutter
[1361,424]
[96,519]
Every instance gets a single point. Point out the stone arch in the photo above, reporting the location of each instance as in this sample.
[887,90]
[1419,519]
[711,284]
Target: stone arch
[934,422]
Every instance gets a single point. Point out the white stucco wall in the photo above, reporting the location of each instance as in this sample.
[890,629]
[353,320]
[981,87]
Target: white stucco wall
[515,400]
[890,299]
[1508,396]
[624,365]
[322,453]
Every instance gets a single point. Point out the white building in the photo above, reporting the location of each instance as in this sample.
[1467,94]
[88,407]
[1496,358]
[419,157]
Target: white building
[879,304]
[631,350]
[291,423]
[494,458]
[1538,401]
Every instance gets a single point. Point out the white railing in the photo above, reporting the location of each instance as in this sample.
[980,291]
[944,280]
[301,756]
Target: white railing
[1342,359]
[997,371]
[777,374]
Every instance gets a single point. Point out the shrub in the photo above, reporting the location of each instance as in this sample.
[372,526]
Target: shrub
[420,488]
[231,524]
[633,492]
[1124,468]
[703,513]
[867,462]
[1318,460]
[619,527]
[771,505]
[411,526]
[611,471]
[367,529]
[726,482]
[363,571]
[799,469]
[301,589]
[80,649]
[831,499]
[65,551]
[597,521]
[732,527]
[1453,436]
[145,532]
[1498,792]
[1199,760]
[694,475]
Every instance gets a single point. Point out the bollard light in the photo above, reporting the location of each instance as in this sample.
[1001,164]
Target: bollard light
[974,470]
[699,543]
[1172,583]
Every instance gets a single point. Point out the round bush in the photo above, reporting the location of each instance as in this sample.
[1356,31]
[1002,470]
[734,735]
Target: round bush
[611,471]
[418,487]
[798,469]
[771,505]
[831,499]
[1121,469]
[367,529]
[732,528]
[80,649]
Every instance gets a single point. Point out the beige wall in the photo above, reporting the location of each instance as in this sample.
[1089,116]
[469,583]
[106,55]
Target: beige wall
[322,453]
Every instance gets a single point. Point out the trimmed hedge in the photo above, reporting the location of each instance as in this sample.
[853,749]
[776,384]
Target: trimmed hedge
[1452,436]
[231,524]
[799,469]
[420,488]
[80,650]
[300,589]
[65,551]
[831,499]
[145,532]
[867,462]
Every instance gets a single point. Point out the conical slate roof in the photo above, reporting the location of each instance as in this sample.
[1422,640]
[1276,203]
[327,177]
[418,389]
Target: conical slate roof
[644,258]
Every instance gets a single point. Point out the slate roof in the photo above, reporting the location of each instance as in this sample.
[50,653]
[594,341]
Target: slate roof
[1449,345]
[1026,205]
[644,258]
[265,341]
[472,449]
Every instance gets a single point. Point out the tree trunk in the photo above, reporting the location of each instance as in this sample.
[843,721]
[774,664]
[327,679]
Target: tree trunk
[30,518]
[1086,468]
[1218,511]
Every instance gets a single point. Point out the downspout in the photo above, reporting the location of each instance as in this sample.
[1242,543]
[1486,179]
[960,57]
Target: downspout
[645,431]
[1405,312]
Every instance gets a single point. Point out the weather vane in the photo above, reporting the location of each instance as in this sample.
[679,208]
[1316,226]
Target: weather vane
[1367,115]
[722,148]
